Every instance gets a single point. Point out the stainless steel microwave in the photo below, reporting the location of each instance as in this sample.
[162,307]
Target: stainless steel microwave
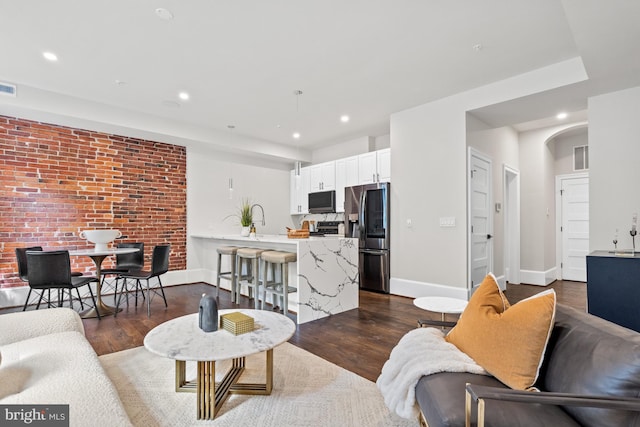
[322,202]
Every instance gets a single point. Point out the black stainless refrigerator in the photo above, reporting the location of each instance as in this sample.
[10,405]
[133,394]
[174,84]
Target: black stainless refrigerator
[366,217]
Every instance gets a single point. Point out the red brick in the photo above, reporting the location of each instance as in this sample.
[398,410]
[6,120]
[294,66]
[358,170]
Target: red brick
[56,181]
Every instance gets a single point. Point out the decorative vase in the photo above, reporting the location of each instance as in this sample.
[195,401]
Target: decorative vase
[100,238]
[208,313]
[245,231]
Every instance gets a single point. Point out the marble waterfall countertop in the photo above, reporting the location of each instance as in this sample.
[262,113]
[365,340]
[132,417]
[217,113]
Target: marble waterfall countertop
[325,274]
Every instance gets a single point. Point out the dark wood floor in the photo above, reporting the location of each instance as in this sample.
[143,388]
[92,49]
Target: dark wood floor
[359,340]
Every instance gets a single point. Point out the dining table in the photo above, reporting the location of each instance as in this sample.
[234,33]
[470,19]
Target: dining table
[98,256]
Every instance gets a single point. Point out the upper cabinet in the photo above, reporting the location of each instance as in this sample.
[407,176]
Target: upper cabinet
[322,177]
[346,176]
[383,164]
[366,168]
[374,166]
[299,192]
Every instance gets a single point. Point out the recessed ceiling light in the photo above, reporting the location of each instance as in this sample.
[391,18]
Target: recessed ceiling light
[183,95]
[164,14]
[296,135]
[120,82]
[562,116]
[344,118]
[50,56]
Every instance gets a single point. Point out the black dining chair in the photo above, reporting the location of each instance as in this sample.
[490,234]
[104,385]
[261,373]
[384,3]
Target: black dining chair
[124,264]
[159,265]
[52,270]
[23,271]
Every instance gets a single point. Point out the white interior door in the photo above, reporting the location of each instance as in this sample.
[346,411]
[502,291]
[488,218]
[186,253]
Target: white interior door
[480,217]
[574,193]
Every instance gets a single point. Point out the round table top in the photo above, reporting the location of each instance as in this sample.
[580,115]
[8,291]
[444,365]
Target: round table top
[108,251]
[441,304]
[182,338]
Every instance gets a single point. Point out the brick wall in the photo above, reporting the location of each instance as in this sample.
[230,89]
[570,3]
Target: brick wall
[57,181]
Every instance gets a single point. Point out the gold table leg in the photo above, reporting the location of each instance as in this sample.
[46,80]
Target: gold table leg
[211,395]
[104,310]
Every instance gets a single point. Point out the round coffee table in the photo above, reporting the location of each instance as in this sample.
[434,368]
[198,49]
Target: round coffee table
[183,340]
[441,305]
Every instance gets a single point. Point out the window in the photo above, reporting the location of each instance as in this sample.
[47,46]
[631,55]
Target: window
[581,158]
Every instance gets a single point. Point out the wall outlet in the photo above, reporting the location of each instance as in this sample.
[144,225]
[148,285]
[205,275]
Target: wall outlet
[447,221]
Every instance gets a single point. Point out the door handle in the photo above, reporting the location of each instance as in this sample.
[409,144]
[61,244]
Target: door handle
[374,252]
[489,236]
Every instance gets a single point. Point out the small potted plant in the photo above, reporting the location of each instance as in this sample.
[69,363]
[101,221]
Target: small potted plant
[245,217]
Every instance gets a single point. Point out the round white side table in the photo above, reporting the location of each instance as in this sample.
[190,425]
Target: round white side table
[442,305]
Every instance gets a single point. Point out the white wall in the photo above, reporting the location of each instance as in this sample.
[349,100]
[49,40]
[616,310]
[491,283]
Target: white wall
[564,146]
[614,174]
[382,142]
[350,148]
[345,149]
[428,143]
[548,179]
[537,188]
[208,201]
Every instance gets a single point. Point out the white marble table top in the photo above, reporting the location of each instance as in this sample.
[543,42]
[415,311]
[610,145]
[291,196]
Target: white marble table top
[110,251]
[441,304]
[182,338]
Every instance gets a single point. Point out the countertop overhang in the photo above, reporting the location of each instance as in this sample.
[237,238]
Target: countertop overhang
[265,238]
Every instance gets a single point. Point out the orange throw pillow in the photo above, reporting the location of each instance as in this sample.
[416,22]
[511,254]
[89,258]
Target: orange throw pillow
[508,341]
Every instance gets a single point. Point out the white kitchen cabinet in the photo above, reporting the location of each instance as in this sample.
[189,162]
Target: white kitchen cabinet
[322,177]
[383,165]
[299,192]
[374,166]
[346,176]
[367,168]
[352,171]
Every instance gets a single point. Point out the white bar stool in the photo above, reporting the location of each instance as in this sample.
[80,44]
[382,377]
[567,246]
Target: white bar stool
[275,288]
[252,279]
[231,276]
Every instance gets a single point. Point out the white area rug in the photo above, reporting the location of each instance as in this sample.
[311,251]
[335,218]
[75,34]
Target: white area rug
[307,391]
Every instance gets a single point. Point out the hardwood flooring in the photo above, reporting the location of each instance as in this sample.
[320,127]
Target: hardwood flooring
[358,340]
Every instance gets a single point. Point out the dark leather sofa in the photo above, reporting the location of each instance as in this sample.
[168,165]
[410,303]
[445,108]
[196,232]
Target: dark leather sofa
[590,376]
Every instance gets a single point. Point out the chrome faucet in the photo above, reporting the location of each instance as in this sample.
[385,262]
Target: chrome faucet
[261,209]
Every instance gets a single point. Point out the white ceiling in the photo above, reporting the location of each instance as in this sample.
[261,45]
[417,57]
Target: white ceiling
[241,60]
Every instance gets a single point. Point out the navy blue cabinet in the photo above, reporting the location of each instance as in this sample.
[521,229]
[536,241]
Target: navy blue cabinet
[613,288]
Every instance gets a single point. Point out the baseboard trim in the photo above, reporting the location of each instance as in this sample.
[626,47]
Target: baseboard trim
[538,278]
[16,296]
[415,289]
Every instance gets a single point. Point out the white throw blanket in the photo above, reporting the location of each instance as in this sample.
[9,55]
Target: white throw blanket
[422,351]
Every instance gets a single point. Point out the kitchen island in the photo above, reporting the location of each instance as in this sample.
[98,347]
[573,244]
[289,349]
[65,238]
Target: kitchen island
[325,274]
